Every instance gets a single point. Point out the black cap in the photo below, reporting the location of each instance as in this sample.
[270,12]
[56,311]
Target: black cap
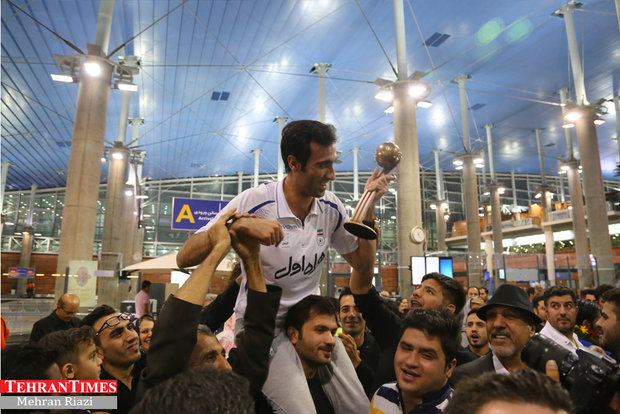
[513,297]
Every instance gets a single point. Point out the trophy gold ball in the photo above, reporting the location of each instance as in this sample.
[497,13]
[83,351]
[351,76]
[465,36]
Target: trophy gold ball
[387,156]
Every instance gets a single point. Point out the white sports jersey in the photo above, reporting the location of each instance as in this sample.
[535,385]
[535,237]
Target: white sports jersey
[295,265]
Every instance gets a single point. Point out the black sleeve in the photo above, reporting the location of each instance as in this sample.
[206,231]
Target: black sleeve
[36,333]
[251,357]
[366,376]
[174,338]
[218,311]
[383,323]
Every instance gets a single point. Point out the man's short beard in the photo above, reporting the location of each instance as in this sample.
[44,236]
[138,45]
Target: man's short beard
[505,352]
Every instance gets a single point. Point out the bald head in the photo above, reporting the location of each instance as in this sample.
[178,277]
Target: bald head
[67,307]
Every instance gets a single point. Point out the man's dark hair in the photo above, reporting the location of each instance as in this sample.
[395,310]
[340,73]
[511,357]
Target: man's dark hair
[297,136]
[480,289]
[202,390]
[530,290]
[98,312]
[600,290]
[584,292]
[519,387]
[559,291]
[146,283]
[300,312]
[587,311]
[452,290]
[442,324]
[537,299]
[344,292]
[67,343]
[27,362]
[613,296]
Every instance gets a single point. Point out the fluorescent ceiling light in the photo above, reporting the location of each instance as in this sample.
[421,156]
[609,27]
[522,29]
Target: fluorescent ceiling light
[424,104]
[572,116]
[568,125]
[384,95]
[417,90]
[389,109]
[457,162]
[61,77]
[126,86]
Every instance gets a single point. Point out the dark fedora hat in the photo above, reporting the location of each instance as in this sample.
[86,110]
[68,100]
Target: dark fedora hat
[513,297]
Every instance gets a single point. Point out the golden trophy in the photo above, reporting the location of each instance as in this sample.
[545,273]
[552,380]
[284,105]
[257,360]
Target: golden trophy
[387,155]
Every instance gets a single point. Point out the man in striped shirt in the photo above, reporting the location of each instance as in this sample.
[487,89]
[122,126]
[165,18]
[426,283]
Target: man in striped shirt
[424,360]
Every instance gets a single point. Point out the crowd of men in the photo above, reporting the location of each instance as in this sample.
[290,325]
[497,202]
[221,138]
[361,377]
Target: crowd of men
[455,350]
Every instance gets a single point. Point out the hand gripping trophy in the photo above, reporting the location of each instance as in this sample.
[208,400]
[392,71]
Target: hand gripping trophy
[387,155]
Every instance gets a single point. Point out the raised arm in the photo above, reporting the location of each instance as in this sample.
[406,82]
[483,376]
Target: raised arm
[198,246]
[363,259]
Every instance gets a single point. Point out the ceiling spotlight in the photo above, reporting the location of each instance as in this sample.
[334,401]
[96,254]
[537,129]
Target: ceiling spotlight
[458,167]
[457,162]
[424,104]
[444,206]
[598,120]
[389,109]
[501,190]
[384,95]
[62,77]
[564,168]
[486,193]
[538,195]
[433,207]
[126,86]
[572,115]
[128,192]
[478,160]
[117,155]
[568,125]
[92,68]
[417,90]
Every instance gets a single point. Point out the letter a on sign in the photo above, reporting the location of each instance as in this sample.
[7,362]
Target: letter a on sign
[185,213]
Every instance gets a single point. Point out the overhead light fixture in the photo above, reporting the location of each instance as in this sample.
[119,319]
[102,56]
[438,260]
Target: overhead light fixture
[143,196]
[424,104]
[384,95]
[417,90]
[538,195]
[389,109]
[567,125]
[433,207]
[486,193]
[92,68]
[103,159]
[458,167]
[572,115]
[126,86]
[457,162]
[564,168]
[63,77]
[128,192]
[478,160]
[501,190]
[444,206]
[598,120]
[117,155]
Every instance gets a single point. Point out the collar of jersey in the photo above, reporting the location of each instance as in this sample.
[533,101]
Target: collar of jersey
[284,211]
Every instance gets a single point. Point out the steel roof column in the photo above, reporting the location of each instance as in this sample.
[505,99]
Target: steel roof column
[80,211]
[409,201]
[496,214]
[578,214]
[470,191]
[596,206]
[440,220]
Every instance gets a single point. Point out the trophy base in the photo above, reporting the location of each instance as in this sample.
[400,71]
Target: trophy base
[360,230]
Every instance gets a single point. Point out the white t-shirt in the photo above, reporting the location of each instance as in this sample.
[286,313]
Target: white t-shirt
[295,265]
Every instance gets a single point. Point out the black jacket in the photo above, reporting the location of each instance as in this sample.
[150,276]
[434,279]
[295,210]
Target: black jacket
[473,369]
[51,323]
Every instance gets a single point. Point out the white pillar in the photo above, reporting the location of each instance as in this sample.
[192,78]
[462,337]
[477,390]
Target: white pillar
[239,182]
[256,153]
[321,69]
[5,171]
[573,51]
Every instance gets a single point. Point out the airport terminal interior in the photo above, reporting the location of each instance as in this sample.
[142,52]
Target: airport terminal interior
[125,124]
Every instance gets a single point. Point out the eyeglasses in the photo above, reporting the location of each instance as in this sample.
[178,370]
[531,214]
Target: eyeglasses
[115,321]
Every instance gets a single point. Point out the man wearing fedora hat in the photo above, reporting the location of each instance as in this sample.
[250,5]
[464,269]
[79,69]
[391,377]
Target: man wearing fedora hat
[510,324]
